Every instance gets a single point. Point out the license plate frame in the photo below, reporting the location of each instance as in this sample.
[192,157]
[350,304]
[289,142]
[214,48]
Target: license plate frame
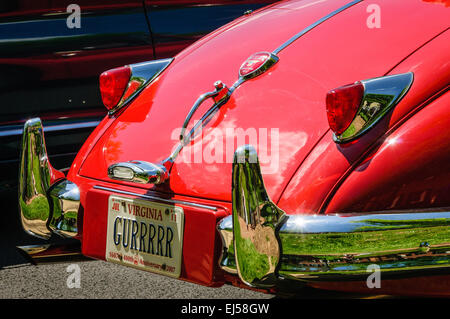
[144,234]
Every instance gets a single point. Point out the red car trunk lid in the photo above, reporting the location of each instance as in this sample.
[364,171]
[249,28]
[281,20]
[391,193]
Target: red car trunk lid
[281,111]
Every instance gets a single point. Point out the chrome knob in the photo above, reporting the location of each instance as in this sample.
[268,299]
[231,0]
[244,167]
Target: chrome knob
[218,85]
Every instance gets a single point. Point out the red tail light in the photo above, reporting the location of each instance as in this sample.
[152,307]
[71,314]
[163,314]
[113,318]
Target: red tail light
[342,105]
[113,84]
[354,109]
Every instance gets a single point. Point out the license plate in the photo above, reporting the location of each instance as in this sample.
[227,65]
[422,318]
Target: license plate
[145,235]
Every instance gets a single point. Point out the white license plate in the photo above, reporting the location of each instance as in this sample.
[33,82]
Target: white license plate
[145,235]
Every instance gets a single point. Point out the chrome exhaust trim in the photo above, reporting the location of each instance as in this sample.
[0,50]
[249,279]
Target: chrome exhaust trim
[44,208]
[326,247]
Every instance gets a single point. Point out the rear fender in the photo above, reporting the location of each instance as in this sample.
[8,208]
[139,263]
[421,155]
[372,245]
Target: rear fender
[410,170]
[310,190]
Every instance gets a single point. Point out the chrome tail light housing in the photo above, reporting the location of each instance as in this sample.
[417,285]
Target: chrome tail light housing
[120,86]
[354,109]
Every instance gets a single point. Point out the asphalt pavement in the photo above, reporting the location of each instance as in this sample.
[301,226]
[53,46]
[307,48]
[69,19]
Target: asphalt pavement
[20,279]
[102,280]
[95,279]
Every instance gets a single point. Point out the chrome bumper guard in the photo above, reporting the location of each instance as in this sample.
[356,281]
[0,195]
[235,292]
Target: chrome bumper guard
[262,244]
[45,208]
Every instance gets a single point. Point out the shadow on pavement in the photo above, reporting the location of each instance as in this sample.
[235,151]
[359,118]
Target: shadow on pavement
[12,234]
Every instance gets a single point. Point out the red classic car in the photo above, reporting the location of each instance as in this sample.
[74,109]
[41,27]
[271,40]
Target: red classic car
[305,144]
[51,53]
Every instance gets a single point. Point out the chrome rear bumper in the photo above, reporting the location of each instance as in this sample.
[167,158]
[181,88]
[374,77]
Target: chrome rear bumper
[263,244]
[47,201]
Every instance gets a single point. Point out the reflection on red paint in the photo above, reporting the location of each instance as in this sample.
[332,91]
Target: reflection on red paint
[443,2]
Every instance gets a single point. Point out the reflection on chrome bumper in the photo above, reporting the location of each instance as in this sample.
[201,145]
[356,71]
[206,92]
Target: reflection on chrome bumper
[44,207]
[327,247]
[64,200]
[255,222]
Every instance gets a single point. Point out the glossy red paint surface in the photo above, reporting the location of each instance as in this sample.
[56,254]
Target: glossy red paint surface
[409,170]
[159,112]
[309,188]
[423,181]
[167,111]
[289,102]
[50,66]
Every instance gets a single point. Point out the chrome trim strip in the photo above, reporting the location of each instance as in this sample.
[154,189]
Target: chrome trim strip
[52,128]
[168,201]
[312,26]
[63,127]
